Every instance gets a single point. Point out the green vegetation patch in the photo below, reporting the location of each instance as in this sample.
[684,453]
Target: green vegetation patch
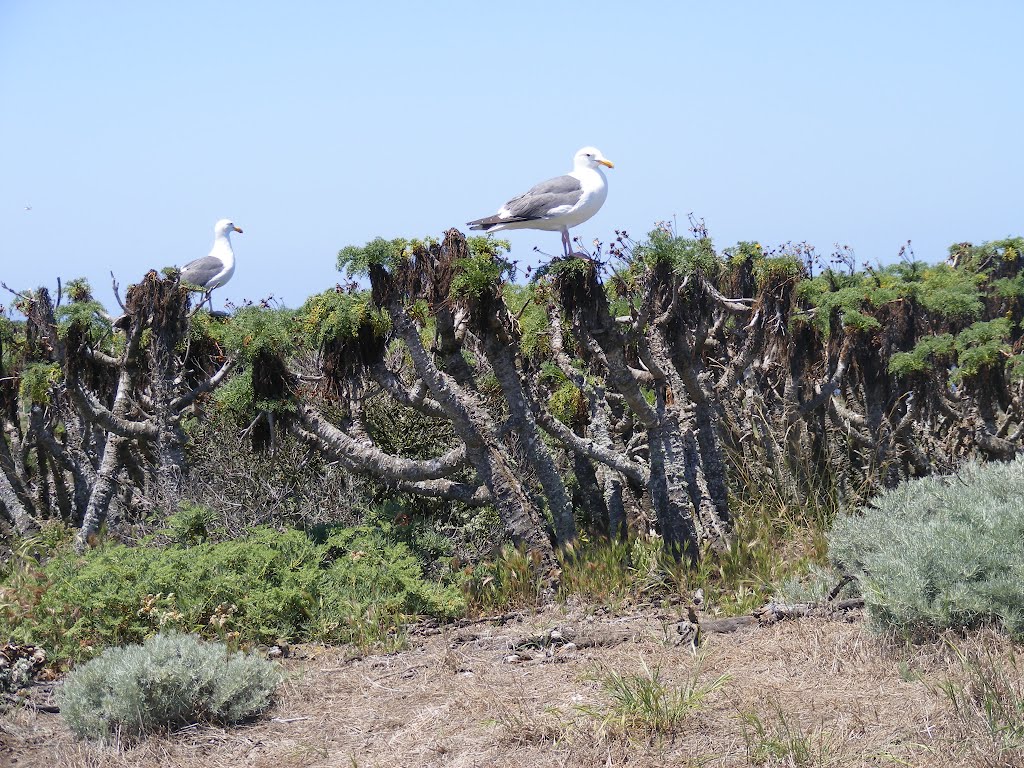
[528,304]
[942,291]
[646,701]
[83,309]
[353,585]
[37,380]
[941,552]
[252,331]
[684,255]
[767,269]
[928,352]
[391,254]
[983,346]
[339,315]
[483,271]
[950,293]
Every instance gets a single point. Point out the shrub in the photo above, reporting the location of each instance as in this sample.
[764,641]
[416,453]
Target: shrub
[353,585]
[941,552]
[191,524]
[170,681]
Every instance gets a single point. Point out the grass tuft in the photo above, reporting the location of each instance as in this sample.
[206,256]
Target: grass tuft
[987,702]
[780,740]
[646,702]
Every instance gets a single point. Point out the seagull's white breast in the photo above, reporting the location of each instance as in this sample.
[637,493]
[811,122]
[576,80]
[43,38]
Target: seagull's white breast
[595,192]
[224,275]
[223,251]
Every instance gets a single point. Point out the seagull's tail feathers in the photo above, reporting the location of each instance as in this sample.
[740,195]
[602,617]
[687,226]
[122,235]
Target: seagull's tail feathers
[496,223]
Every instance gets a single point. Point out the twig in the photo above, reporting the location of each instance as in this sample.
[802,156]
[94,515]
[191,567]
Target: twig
[114,285]
[19,294]
[500,619]
[834,592]
[199,306]
[52,709]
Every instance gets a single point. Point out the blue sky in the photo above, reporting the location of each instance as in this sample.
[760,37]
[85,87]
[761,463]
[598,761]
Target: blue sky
[130,127]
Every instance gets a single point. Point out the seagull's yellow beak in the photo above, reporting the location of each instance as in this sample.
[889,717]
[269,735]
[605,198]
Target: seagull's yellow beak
[238,229]
[607,163]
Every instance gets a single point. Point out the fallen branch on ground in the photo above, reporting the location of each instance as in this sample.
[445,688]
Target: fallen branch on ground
[773,611]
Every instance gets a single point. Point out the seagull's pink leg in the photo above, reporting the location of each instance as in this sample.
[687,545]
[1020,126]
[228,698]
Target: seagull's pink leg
[566,242]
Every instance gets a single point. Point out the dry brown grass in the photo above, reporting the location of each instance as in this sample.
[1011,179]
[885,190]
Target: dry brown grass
[801,693]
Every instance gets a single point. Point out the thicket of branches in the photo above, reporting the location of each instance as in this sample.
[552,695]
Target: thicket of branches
[629,390]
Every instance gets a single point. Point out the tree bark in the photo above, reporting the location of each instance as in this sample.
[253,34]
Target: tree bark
[500,356]
[474,426]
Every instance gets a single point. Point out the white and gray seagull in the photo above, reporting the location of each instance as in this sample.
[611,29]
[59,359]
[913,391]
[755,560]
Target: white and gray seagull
[558,203]
[216,268]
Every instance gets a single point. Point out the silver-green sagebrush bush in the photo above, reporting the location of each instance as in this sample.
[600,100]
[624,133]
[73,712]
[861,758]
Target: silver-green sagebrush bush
[170,681]
[941,552]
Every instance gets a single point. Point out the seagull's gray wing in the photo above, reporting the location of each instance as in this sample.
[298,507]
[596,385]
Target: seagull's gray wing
[539,201]
[201,271]
[546,196]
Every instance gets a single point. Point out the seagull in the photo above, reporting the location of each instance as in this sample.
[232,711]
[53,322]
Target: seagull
[558,203]
[215,269]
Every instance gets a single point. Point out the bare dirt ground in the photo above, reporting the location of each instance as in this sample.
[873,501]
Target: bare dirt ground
[808,692]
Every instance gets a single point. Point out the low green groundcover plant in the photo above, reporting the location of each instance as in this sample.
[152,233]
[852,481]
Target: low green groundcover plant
[941,552]
[348,585]
[170,681]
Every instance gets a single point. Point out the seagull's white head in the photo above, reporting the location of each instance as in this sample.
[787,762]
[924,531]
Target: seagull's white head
[224,227]
[591,157]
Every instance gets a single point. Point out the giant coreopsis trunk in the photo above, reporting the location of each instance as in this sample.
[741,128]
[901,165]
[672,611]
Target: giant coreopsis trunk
[12,507]
[704,466]
[67,457]
[15,500]
[140,435]
[610,483]
[102,492]
[584,300]
[502,362]
[486,316]
[669,491]
[163,305]
[474,426]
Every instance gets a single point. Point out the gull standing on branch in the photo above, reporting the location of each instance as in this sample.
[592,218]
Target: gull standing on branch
[214,270]
[558,203]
